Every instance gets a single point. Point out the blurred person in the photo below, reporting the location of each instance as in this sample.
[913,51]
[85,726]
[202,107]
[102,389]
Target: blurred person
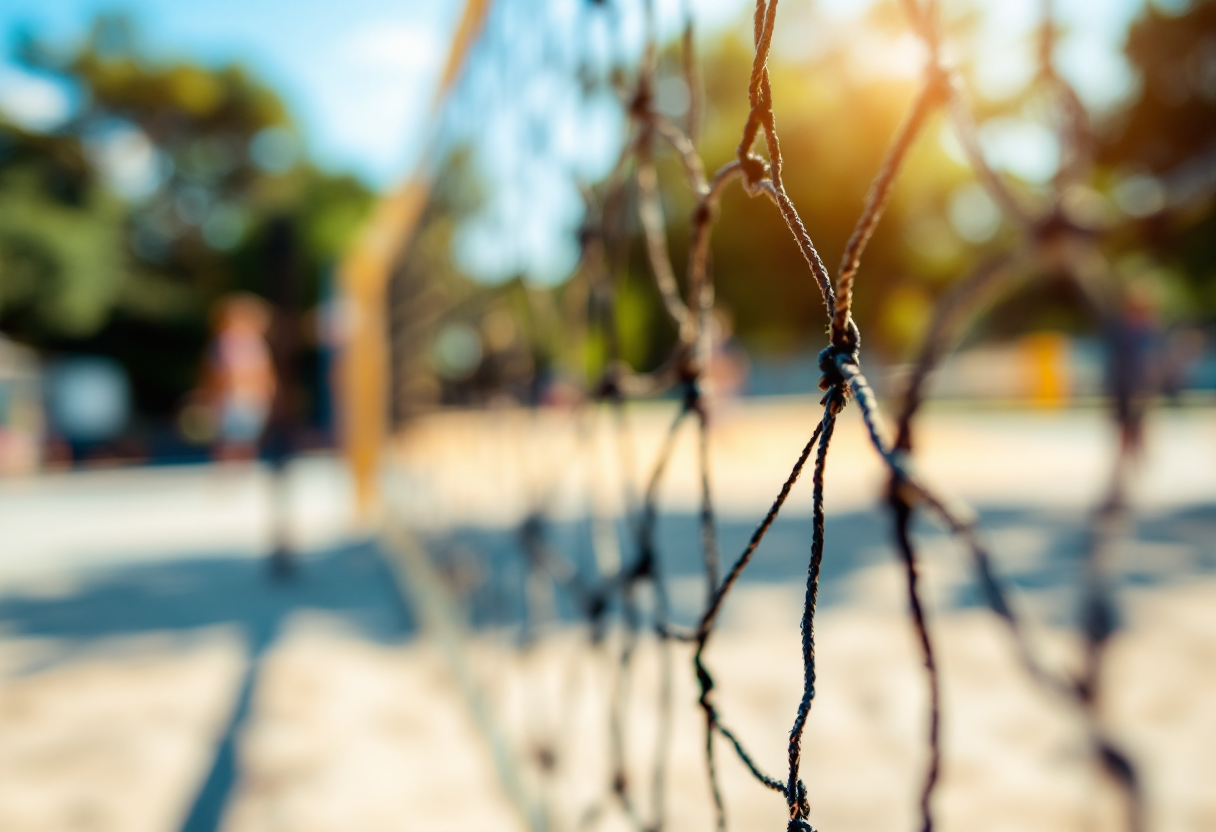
[280,259]
[1134,362]
[240,380]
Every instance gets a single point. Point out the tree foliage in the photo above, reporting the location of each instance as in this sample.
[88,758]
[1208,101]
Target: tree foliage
[120,229]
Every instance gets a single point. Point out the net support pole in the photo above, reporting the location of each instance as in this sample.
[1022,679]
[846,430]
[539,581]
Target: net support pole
[363,277]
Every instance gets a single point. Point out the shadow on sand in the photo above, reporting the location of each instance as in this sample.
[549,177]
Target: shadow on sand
[351,583]
[354,584]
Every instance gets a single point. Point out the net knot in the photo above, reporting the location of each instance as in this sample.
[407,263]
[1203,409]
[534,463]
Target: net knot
[829,358]
[753,169]
[609,386]
[642,104]
[619,783]
[692,394]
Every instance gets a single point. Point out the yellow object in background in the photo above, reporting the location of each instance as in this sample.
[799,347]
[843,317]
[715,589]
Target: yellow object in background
[1044,357]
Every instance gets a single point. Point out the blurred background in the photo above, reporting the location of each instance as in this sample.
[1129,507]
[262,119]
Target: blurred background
[275,277]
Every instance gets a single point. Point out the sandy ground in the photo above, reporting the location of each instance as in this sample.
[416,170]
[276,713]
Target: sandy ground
[115,739]
[492,469]
[346,732]
[349,736]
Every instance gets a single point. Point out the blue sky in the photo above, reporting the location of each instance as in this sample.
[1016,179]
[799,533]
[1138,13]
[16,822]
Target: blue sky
[359,75]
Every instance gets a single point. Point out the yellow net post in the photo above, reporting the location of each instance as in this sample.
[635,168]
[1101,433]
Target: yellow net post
[363,280]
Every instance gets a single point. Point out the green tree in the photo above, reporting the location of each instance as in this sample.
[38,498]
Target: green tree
[1162,149]
[160,194]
